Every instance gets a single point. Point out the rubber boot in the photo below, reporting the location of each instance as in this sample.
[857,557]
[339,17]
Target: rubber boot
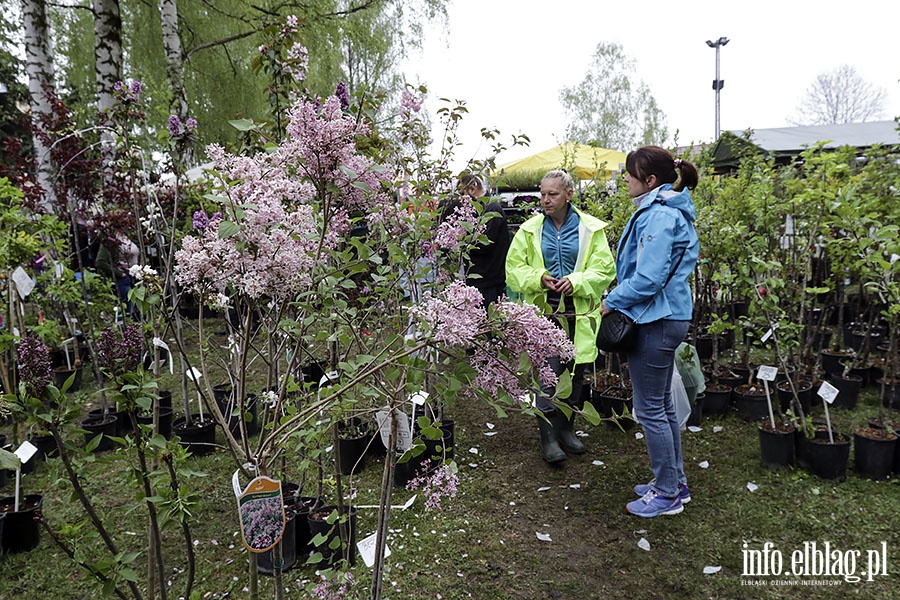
[562,425]
[550,449]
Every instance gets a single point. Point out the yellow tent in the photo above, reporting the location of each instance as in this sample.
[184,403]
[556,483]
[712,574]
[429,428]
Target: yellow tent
[580,160]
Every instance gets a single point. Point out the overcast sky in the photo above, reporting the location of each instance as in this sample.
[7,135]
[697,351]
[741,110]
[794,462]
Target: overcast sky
[509,59]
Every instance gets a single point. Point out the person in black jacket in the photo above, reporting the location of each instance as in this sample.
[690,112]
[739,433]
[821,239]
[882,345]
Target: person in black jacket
[486,268]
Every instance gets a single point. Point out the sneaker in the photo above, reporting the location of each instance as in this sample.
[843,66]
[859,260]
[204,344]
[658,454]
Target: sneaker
[653,505]
[683,492]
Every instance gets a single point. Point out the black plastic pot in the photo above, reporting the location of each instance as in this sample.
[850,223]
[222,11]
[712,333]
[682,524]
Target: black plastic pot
[404,472]
[165,420]
[318,524]
[696,417]
[62,374]
[438,451]
[614,402]
[751,402]
[288,548]
[199,438]
[352,441]
[101,425]
[848,390]
[777,448]
[831,360]
[21,532]
[890,395]
[874,456]
[302,506]
[828,461]
[717,399]
[805,393]
[251,412]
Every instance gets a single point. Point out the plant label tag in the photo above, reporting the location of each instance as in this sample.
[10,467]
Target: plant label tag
[24,282]
[767,335]
[404,437]
[329,378]
[194,374]
[261,510]
[767,373]
[828,392]
[366,548]
[25,451]
[419,398]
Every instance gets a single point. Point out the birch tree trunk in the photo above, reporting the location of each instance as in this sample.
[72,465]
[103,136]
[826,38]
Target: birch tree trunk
[107,70]
[39,68]
[171,37]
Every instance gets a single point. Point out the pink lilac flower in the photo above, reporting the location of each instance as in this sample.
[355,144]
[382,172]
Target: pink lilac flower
[436,485]
[459,225]
[337,588]
[128,93]
[454,317]
[263,521]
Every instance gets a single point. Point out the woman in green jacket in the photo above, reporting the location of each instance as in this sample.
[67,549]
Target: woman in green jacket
[560,261]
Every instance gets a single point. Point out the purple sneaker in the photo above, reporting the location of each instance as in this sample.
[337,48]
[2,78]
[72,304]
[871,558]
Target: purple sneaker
[653,505]
[684,494]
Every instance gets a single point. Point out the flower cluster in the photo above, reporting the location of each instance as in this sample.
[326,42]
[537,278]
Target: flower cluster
[436,485]
[341,92]
[182,132]
[142,272]
[263,521]
[522,331]
[455,317]
[322,138]
[410,104]
[459,224]
[35,366]
[202,221]
[334,589]
[128,93]
[118,355]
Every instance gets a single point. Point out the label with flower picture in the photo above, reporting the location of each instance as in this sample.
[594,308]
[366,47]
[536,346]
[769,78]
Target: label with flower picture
[262,514]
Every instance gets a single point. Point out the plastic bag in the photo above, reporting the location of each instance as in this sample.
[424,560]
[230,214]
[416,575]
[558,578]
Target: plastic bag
[680,399]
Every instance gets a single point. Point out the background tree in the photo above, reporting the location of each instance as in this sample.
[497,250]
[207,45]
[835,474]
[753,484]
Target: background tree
[840,96]
[609,108]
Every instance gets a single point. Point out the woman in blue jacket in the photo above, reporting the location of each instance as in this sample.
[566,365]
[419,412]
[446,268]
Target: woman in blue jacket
[659,245]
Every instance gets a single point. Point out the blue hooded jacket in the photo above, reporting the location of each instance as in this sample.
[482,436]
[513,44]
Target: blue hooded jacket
[657,232]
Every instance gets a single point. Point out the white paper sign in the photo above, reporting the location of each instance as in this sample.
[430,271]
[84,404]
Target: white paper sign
[767,373]
[25,451]
[366,548]
[194,374]
[828,392]
[24,282]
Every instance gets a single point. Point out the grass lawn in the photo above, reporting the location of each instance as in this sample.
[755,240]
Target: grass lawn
[486,543]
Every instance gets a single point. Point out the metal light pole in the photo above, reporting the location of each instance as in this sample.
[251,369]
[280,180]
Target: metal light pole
[718,84]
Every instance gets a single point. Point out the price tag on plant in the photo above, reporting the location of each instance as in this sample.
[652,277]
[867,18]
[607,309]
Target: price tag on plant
[262,514]
[366,548]
[828,392]
[767,373]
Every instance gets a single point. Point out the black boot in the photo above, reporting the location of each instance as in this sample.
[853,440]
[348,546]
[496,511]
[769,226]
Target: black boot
[550,449]
[562,425]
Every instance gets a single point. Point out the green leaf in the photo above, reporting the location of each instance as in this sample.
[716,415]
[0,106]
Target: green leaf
[243,124]
[564,386]
[590,413]
[228,229]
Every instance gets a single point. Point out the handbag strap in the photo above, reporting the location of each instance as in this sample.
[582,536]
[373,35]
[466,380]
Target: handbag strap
[668,279]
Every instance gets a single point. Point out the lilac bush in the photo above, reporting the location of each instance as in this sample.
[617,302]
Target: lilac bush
[435,485]
[35,365]
[120,353]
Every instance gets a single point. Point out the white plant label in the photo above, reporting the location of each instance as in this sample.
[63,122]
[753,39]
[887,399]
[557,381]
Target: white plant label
[24,282]
[194,374]
[404,437]
[767,335]
[767,373]
[25,451]
[366,548]
[419,398]
[828,392]
[328,378]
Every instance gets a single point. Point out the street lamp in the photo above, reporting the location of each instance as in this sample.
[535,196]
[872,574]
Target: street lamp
[718,84]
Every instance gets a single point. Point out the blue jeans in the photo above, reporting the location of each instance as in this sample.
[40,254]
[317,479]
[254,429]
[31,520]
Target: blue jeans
[650,365]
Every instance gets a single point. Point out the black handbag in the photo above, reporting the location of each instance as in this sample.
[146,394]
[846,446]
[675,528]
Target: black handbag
[618,332]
